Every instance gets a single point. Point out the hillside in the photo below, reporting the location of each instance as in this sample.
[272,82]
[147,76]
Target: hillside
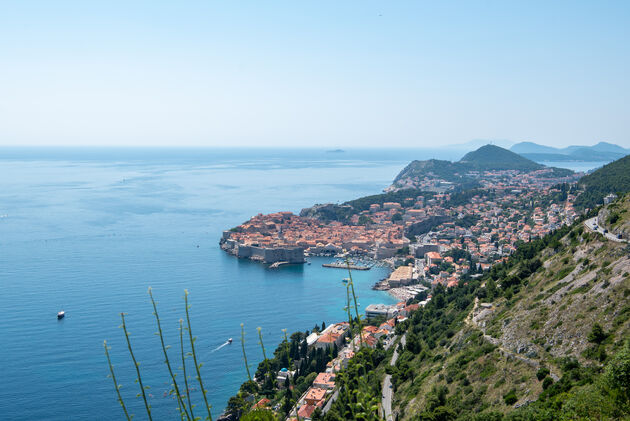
[490,157]
[531,147]
[439,175]
[539,337]
[611,178]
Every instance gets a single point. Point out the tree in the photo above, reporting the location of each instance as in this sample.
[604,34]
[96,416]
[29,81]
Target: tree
[618,373]
[491,289]
[597,334]
[365,220]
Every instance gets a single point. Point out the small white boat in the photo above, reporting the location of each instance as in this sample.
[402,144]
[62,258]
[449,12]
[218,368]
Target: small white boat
[61,314]
[230,340]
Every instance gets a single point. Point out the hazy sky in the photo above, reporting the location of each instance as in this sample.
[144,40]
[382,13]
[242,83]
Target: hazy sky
[313,73]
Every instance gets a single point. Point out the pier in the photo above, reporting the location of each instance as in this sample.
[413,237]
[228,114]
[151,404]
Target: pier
[345,266]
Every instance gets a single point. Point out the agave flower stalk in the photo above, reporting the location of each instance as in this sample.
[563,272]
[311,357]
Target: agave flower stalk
[354,295]
[181,347]
[116,385]
[349,315]
[194,355]
[262,345]
[249,376]
[286,346]
[137,366]
[180,401]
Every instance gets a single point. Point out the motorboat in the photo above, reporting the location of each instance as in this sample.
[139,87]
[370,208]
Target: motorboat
[61,314]
[230,340]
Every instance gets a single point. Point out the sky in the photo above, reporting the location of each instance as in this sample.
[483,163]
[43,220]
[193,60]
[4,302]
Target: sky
[310,74]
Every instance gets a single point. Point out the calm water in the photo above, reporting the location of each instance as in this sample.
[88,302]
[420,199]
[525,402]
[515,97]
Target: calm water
[89,230]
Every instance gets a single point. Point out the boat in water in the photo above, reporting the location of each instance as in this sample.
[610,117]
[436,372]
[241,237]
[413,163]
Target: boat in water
[230,340]
[61,314]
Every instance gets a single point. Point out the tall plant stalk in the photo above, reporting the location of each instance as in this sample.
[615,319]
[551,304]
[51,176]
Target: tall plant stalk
[137,366]
[194,354]
[262,345]
[286,346]
[356,307]
[182,405]
[349,315]
[116,385]
[181,348]
[249,376]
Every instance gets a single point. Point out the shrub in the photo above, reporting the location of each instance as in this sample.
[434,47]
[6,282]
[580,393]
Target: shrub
[510,398]
[542,373]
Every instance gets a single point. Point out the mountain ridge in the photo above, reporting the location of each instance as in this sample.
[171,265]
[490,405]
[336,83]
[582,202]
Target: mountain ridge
[601,151]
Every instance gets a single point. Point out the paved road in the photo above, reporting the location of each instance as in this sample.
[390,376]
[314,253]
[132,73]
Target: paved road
[591,224]
[386,401]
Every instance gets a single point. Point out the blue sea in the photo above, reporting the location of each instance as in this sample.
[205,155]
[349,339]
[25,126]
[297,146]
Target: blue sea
[89,230]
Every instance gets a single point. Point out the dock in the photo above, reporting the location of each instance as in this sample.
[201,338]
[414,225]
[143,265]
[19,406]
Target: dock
[344,266]
[277,265]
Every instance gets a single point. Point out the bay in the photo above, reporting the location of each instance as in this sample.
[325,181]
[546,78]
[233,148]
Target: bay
[88,230]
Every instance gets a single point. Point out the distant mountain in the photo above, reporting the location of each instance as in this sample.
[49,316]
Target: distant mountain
[609,147]
[531,147]
[611,178]
[602,151]
[491,157]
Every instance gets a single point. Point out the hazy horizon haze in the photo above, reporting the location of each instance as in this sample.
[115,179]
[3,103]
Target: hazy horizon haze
[329,75]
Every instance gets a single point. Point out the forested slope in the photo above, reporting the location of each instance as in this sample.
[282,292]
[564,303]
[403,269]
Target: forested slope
[542,337]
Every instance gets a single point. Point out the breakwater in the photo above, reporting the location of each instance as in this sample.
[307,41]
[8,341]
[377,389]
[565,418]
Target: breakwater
[345,266]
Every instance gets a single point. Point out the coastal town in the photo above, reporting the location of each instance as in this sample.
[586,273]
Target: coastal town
[426,239]
[338,343]
[430,234]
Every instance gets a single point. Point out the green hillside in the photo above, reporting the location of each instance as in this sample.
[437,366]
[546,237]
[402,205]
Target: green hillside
[486,158]
[542,337]
[611,178]
[491,157]
[447,170]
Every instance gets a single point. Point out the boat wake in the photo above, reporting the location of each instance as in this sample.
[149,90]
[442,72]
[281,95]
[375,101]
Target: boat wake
[220,346]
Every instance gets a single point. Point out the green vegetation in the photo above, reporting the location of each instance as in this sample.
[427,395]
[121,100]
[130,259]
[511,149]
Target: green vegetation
[491,157]
[185,411]
[611,178]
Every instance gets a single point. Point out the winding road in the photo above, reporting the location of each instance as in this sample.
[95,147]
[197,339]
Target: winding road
[591,224]
[386,400]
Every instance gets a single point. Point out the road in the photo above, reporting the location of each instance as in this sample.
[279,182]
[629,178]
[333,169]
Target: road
[386,401]
[591,224]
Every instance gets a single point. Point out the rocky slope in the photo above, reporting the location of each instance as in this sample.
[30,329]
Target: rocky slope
[538,335]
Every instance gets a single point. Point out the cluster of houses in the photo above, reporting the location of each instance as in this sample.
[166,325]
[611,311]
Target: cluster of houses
[322,388]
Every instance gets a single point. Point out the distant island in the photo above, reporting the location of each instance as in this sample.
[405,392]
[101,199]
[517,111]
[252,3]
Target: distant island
[602,151]
[335,151]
